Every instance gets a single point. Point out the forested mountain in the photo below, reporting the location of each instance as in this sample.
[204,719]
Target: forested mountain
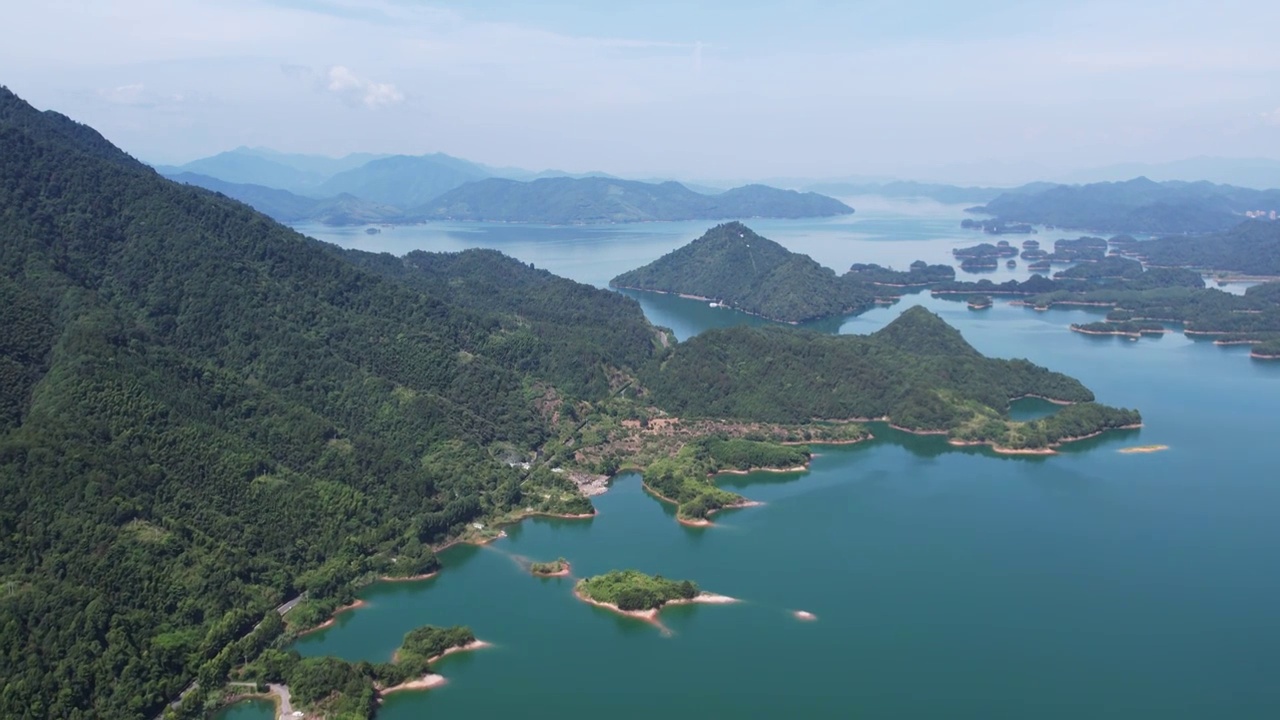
[917,371]
[404,181]
[287,207]
[1252,247]
[593,199]
[242,167]
[733,265]
[1138,205]
[205,412]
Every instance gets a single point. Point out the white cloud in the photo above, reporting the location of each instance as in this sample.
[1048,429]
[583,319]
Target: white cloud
[357,90]
[1271,118]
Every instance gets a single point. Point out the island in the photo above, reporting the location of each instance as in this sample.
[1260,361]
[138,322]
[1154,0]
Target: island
[1142,449]
[980,302]
[633,593]
[733,266]
[565,200]
[1128,328]
[556,568]
[918,274]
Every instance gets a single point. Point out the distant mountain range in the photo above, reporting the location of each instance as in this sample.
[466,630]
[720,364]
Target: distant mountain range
[287,207]
[1256,173]
[362,189]
[590,200]
[1138,205]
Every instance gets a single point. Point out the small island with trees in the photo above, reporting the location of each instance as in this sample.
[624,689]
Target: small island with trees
[979,302]
[633,593]
[556,568]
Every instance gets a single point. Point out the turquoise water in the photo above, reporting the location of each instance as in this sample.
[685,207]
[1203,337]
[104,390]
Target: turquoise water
[947,582]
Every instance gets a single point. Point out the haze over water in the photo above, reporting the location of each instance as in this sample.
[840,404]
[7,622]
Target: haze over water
[947,582]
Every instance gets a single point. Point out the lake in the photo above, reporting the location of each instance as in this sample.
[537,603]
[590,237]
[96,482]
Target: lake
[947,582]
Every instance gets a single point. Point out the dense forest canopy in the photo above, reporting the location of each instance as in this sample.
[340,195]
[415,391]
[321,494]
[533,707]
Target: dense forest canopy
[205,413]
[733,265]
[1252,247]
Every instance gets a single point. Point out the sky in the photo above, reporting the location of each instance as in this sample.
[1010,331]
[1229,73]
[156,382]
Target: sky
[978,91]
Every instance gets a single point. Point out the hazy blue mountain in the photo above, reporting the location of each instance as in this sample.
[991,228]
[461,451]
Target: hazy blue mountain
[287,207]
[1138,205]
[236,166]
[1257,173]
[590,200]
[320,165]
[405,181]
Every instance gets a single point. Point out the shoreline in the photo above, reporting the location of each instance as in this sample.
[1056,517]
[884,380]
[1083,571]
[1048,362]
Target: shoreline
[333,618]
[1142,449]
[426,682]
[698,522]
[748,471]
[1263,356]
[410,578]
[1051,449]
[651,615]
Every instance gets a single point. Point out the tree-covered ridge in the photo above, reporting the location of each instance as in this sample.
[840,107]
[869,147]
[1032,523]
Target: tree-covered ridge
[734,266]
[564,200]
[287,207]
[1251,248]
[1252,317]
[917,372]
[919,273]
[1137,205]
[574,336]
[632,590]
[191,388]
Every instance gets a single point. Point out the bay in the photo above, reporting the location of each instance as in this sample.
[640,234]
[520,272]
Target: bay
[947,582]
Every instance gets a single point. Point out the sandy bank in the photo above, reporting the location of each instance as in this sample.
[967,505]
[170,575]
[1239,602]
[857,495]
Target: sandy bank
[698,522]
[1050,450]
[804,615]
[798,468]
[473,645]
[651,615]
[334,617]
[1143,449]
[426,682]
[1263,356]
[410,578]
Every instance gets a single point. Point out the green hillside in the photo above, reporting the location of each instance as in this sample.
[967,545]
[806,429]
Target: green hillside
[733,265]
